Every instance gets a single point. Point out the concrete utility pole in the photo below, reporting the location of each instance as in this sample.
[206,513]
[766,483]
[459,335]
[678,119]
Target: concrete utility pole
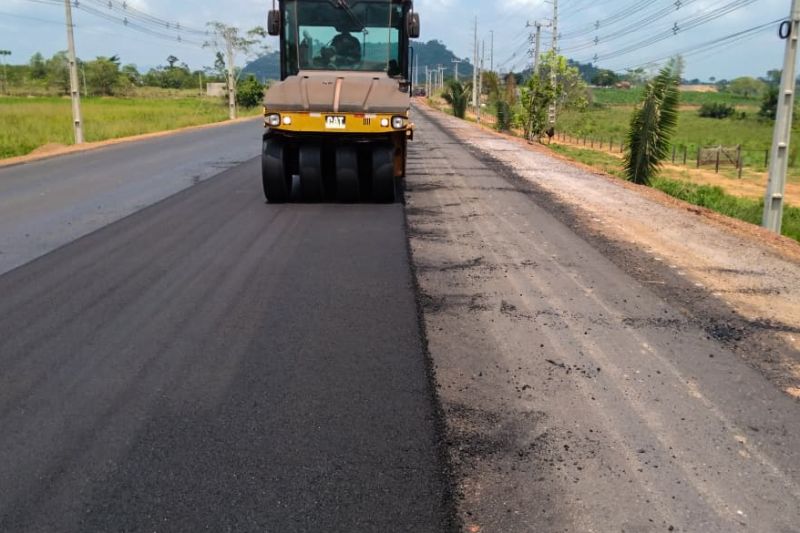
[480,79]
[779,156]
[553,77]
[74,87]
[231,75]
[491,53]
[537,47]
[441,77]
[427,82]
[456,62]
[475,68]
[3,54]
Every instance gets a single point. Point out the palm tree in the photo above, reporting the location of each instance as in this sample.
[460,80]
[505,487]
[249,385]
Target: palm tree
[652,126]
[457,95]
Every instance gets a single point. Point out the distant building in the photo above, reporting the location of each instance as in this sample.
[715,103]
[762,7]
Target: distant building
[216,89]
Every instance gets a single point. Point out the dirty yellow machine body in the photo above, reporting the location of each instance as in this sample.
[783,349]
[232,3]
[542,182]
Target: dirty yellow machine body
[337,124]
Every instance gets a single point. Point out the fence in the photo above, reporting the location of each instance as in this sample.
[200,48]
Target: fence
[687,154]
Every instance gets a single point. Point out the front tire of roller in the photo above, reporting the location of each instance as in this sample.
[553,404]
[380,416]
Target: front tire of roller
[347,188]
[383,190]
[277,184]
[311,185]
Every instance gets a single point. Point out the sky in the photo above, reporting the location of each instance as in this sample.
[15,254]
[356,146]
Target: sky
[625,31]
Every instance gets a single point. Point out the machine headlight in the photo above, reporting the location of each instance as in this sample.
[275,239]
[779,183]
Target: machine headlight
[385,122]
[287,121]
[398,123]
[274,120]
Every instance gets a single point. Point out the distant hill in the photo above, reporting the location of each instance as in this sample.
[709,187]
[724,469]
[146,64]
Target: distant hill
[266,67]
[430,54]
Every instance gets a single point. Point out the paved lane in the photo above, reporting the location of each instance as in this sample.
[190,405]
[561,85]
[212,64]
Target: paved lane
[215,363]
[48,203]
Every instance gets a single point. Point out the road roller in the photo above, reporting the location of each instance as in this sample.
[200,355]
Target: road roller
[337,123]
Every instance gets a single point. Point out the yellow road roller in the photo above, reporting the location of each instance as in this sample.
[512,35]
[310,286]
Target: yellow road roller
[337,124]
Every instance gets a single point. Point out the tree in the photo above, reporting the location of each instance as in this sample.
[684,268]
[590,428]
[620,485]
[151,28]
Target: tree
[219,65]
[230,39]
[38,67]
[171,59]
[537,95]
[605,78]
[747,87]
[457,94]
[102,75]
[769,103]
[652,126]
[130,72]
[58,72]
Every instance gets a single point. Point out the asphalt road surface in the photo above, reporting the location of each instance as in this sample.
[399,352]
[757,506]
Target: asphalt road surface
[194,359]
[213,363]
[48,203]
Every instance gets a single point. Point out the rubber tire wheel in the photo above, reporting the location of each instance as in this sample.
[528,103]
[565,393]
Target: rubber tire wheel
[277,185]
[312,187]
[347,188]
[383,189]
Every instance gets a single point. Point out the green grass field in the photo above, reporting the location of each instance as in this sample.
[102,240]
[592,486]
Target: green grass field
[28,123]
[609,118]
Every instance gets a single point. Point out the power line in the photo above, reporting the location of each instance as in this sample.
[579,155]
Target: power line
[678,27]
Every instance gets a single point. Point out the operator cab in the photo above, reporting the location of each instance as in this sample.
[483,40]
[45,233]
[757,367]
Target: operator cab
[348,35]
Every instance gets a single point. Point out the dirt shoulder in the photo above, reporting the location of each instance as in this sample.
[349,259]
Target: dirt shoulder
[721,262]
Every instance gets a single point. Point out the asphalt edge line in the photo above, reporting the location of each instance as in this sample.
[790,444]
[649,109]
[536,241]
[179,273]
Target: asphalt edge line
[447,475]
[92,146]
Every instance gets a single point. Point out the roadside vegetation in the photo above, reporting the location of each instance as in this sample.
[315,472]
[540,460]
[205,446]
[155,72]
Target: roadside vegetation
[28,124]
[595,128]
[117,100]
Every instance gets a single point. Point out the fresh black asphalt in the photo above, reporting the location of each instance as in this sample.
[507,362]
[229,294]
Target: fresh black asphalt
[213,363]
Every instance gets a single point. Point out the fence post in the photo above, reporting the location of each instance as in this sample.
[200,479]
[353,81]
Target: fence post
[766,158]
[740,162]
[717,166]
[698,157]
[685,154]
[673,153]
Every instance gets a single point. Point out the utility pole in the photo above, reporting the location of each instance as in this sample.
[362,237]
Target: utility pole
[74,88]
[475,68]
[456,62]
[427,82]
[553,77]
[779,156]
[537,46]
[491,53]
[231,74]
[3,54]
[441,77]
[480,79]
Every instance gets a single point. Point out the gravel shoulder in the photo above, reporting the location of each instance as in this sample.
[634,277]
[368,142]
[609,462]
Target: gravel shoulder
[590,378]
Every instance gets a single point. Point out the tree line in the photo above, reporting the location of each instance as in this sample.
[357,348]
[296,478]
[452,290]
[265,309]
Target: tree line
[108,76]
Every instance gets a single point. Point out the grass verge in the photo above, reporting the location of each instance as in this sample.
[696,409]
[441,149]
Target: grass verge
[29,123]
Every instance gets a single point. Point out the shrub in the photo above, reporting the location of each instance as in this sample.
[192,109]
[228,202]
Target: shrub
[717,110]
[250,92]
[457,95]
[504,115]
